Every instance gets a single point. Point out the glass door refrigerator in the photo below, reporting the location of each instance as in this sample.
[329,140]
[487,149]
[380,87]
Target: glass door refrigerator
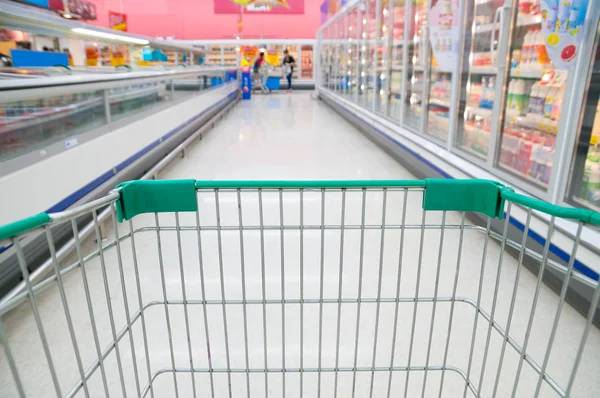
[397,16]
[534,91]
[415,87]
[382,55]
[584,182]
[479,79]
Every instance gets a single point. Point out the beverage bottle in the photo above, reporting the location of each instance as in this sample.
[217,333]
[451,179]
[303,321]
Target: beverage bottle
[533,99]
[526,51]
[540,49]
[543,53]
[509,97]
[539,109]
[519,96]
[490,92]
[549,103]
[482,98]
[556,106]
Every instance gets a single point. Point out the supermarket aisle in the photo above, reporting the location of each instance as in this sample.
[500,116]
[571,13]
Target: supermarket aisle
[283,136]
[295,137]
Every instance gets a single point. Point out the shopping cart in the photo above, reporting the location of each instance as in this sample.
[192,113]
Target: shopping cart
[333,288]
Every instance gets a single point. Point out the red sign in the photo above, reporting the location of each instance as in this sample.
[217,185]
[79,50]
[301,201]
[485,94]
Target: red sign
[259,6]
[117,21]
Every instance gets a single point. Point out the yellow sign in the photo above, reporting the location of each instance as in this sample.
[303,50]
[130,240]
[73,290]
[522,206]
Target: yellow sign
[272,57]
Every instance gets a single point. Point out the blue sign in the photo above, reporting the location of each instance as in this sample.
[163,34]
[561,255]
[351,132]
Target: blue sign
[246,83]
[22,58]
[39,3]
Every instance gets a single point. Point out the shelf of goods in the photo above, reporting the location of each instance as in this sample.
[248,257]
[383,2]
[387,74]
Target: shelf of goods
[509,112]
[589,193]
[307,62]
[215,56]
[230,56]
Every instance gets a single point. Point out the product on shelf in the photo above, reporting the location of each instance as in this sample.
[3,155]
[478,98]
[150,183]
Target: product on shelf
[476,135]
[482,59]
[529,152]
[533,53]
[590,187]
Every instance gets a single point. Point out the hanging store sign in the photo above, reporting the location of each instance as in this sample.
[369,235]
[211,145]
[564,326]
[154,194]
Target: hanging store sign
[259,6]
[117,21]
[563,26]
[444,32]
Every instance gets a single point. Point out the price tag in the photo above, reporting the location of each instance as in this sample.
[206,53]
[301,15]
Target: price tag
[540,126]
[594,140]
[518,72]
[549,128]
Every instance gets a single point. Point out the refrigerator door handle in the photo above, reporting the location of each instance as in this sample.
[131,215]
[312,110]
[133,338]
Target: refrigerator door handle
[497,16]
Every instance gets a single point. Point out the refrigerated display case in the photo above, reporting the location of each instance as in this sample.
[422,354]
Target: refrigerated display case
[306,61]
[396,59]
[500,103]
[532,107]
[415,89]
[584,176]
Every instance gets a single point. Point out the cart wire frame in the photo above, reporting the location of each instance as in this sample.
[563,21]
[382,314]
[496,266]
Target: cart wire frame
[179,197]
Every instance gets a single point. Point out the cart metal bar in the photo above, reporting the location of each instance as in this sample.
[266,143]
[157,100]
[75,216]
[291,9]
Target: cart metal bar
[222,280]
[164,293]
[340,290]
[360,285]
[90,307]
[379,278]
[414,316]
[398,281]
[139,295]
[63,298]
[512,301]
[561,302]
[243,275]
[36,315]
[203,289]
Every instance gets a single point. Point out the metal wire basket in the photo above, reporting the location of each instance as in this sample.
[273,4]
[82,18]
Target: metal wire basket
[334,288]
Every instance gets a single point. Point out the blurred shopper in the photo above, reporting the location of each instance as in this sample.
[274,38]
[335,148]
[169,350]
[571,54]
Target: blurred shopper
[288,68]
[257,64]
[261,72]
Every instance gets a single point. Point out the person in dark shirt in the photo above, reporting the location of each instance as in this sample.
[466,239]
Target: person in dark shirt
[288,65]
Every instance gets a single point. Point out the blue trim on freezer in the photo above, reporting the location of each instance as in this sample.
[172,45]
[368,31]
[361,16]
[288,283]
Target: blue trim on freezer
[560,253]
[80,193]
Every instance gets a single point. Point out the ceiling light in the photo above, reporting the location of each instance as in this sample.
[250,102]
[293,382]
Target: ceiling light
[110,36]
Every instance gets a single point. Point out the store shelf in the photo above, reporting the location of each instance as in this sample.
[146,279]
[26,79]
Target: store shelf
[527,73]
[439,102]
[483,70]
[487,113]
[533,122]
[528,20]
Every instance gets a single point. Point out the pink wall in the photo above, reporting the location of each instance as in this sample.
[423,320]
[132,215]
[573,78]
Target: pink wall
[195,19]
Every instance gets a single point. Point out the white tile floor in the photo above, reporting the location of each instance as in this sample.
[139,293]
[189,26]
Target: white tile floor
[295,137]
